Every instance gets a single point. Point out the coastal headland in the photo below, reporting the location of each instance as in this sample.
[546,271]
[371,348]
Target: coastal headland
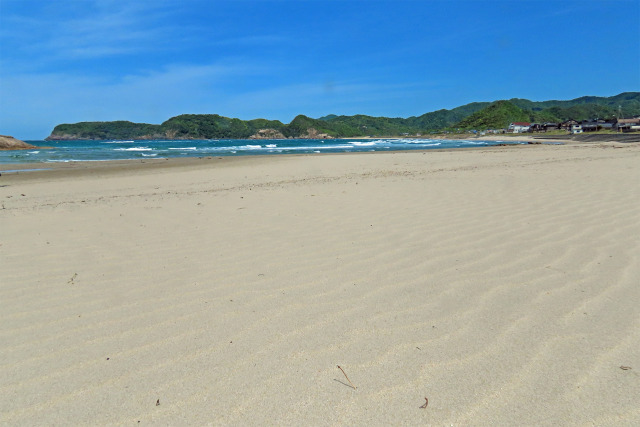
[11,143]
[469,287]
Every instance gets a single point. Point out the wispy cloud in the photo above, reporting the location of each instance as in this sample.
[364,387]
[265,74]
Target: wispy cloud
[79,30]
[84,29]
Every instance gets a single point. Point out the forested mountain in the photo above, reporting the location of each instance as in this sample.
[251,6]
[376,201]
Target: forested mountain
[476,115]
[495,116]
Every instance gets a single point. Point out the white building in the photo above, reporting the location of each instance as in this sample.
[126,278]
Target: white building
[519,127]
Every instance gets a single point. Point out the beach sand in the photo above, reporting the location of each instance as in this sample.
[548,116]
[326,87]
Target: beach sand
[500,283]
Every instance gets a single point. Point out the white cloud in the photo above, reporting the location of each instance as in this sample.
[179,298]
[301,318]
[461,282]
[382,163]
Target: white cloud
[81,29]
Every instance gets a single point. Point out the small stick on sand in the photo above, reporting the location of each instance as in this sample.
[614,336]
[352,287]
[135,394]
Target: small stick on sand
[426,402]
[345,375]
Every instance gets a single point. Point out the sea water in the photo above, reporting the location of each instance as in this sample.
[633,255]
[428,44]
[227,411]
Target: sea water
[74,151]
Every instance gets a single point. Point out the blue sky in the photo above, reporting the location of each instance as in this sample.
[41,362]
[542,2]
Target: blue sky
[147,60]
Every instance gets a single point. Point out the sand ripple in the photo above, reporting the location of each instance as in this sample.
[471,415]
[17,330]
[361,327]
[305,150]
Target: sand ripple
[500,284]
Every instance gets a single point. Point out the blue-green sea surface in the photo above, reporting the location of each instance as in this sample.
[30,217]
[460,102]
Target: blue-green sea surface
[74,151]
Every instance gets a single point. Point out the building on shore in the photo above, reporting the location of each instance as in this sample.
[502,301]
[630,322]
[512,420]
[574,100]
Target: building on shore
[627,125]
[519,127]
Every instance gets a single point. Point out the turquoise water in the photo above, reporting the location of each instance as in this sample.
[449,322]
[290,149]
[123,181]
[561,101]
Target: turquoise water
[72,151]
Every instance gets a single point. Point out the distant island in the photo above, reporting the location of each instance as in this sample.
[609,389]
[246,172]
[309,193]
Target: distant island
[477,116]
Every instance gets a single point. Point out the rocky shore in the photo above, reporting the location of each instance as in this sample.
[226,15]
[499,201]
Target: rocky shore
[11,143]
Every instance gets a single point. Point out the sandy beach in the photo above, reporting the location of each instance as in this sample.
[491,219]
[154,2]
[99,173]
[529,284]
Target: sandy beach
[501,284]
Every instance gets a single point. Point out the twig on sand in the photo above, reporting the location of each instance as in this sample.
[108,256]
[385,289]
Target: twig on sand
[426,402]
[345,375]
[73,278]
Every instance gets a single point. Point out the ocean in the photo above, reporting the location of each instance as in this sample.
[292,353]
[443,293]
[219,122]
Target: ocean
[76,151]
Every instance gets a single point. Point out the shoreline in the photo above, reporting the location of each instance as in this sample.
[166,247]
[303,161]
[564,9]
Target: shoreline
[38,166]
[115,166]
[38,169]
[228,150]
[525,137]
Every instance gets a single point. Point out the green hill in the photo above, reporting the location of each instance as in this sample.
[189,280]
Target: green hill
[476,115]
[105,130]
[496,116]
[213,126]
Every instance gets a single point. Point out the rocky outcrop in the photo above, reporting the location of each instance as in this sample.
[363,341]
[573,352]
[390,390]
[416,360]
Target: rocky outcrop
[312,133]
[10,143]
[61,137]
[267,134]
[607,137]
